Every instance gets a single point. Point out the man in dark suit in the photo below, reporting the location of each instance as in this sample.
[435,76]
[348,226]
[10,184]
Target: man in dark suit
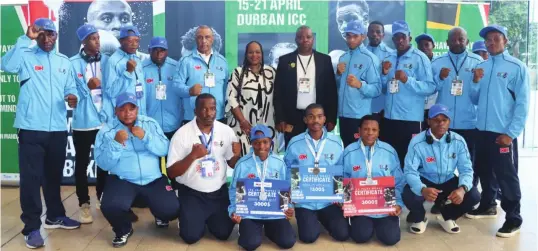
[303,77]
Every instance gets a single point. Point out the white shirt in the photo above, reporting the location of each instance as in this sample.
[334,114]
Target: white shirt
[304,99]
[206,57]
[221,150]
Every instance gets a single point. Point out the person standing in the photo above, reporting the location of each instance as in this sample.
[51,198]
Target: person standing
[250,96]
[407,79]
[124,73]
[376,34]
[479,47]
[358,81]
[200,153]
[503,106]
[46,83]
[303,77]
[453,75]
[426,44]
[87,72]
[205,71]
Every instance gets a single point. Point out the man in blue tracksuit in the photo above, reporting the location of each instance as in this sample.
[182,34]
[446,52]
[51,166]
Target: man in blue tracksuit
[261,164]
[129,148]
[426,44]
[453,76]
[407,79]
[503,106]
[46,83]
[376,34]
[87,74]
[357,77]
[124,73]
[305,149]
[205,71]
[431,160]
[371,158]
[162,96]
[479,48]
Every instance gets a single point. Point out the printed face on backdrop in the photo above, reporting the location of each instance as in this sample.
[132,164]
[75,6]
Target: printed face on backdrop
[279,50]
[348,11]
[110,15]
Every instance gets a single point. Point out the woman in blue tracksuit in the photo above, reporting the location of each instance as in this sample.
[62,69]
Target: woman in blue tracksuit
[384,162]
[261,164]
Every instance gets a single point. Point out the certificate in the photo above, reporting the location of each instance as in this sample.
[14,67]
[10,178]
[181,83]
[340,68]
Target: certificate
[317,184]
[363,197]
[249,203]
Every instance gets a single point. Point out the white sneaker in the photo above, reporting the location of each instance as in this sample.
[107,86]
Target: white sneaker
[419,227]
[98,205]
[449,226]
[85,214]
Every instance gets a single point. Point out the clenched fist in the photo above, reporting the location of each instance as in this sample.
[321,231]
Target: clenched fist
[195,90]
[71,100]
[444,73]
[478,74]
[341,68]
[400,75]
[198,151]
[138,132]
[386,67]
[353,81]
[236,148]
[94,83]
[121,136]
[131,65]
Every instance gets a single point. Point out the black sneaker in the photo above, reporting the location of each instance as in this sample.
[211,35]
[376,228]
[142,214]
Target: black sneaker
[508,229]
[161,223]
[436,209]
[121,241]
[480,213]
[133,216]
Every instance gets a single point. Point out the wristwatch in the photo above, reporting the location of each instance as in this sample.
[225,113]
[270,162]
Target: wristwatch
[465,188]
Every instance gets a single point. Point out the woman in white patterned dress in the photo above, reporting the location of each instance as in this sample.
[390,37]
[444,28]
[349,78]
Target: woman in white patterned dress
[250,95]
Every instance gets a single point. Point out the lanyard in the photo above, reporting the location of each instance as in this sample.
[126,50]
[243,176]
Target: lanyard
[133,56]
[207,143]
[208,61]
[261,173]
[307,64]
[94,69]
[368,160]
[454,65]
[317,152]
[159,71]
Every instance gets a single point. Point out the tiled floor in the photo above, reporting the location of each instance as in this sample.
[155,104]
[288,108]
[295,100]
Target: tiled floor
[476,235]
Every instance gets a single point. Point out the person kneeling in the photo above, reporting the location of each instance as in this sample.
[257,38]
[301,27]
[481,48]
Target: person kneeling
[371,158]
[130,149]
[431,159]
[259,165]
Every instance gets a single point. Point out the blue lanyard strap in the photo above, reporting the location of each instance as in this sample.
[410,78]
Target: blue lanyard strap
[207,143]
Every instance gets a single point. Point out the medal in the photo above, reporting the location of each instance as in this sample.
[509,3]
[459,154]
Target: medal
[263,195]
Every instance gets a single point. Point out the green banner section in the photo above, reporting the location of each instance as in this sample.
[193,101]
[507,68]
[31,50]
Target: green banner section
[9,93]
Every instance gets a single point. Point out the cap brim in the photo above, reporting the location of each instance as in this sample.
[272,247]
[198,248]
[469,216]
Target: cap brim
[158,46]
[437,114]
[354,32]
[484,32]
[126,102]
[481,49]
[400,31]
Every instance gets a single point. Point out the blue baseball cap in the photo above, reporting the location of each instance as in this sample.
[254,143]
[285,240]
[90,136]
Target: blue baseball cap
[128,31]
[259,128]
[85,30]
[479,46]
[400,27]
[424,36]
[494,27]
[355,27]
[158,42]
[125,98]
[438,109]
[45,24]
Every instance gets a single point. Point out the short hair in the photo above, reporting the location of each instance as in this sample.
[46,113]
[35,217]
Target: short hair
[312,107]
[302,27]
[369,117]
[201,97]
[378,23]
[189,39]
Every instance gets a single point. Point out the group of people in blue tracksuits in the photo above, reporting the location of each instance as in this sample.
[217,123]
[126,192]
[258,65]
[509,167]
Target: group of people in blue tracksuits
[130,107]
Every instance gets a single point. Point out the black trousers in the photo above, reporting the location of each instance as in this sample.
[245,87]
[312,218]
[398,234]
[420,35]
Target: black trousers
[349,129]
[41,163]
[83,141]
[470,138]
[398,134]
[495,165]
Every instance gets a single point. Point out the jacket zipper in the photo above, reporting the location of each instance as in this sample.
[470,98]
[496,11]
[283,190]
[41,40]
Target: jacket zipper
[138,158]
[487,96]
[345,84]
[50,83]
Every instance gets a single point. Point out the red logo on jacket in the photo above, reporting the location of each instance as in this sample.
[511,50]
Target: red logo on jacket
[356,168]
[504,150]
[149,80]
[38,67]
[251,176]
[198,67]
[79,75]
[357,135]
[302,156]
[430,159]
